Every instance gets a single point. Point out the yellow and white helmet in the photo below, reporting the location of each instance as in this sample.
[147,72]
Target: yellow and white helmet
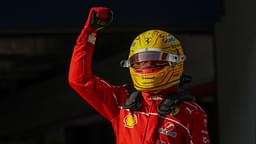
[156,45]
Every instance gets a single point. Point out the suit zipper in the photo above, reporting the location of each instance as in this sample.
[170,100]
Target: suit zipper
[146,129]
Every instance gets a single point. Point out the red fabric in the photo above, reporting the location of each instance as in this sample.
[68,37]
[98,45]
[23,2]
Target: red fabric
[144,126]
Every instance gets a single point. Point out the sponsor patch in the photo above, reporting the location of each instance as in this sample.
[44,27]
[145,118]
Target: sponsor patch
[168,129]
[130,120]
[169,39]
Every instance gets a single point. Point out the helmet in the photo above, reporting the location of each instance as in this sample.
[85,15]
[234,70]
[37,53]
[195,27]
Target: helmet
[156,46]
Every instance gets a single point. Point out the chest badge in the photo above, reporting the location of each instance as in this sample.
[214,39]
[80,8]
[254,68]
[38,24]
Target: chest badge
[130,120]
[175,111]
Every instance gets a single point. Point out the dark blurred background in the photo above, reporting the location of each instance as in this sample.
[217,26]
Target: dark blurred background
[37,37]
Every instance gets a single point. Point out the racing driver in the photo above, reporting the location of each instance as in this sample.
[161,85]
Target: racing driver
[158,111]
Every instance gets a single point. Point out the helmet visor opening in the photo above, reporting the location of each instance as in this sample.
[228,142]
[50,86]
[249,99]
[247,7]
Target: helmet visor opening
[152,56]
[148,56]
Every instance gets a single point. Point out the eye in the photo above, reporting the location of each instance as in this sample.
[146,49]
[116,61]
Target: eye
[150,64]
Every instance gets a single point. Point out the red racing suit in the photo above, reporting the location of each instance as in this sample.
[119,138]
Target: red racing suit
[144,126]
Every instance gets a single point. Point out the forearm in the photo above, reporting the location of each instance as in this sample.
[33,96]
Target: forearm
[80,66]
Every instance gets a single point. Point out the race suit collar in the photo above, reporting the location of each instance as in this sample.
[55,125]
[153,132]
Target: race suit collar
[149,96]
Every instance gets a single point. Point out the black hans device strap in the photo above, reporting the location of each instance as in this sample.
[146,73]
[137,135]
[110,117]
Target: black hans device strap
[166,106]
[169,104]
[133,101]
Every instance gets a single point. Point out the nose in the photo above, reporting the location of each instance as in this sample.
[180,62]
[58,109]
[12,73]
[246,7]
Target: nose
[146,63]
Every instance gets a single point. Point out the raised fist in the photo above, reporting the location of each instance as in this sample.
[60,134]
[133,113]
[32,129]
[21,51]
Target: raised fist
[99,17]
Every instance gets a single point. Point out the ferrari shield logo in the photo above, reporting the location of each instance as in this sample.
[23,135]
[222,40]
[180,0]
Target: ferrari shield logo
[175,111]
[130,120]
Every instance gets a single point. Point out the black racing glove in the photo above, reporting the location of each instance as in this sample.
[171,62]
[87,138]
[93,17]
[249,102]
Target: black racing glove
[99,17]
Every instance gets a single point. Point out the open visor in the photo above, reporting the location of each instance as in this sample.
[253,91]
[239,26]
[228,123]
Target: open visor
[152,56]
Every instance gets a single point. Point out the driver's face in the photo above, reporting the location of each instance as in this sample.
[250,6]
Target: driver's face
[149,64]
